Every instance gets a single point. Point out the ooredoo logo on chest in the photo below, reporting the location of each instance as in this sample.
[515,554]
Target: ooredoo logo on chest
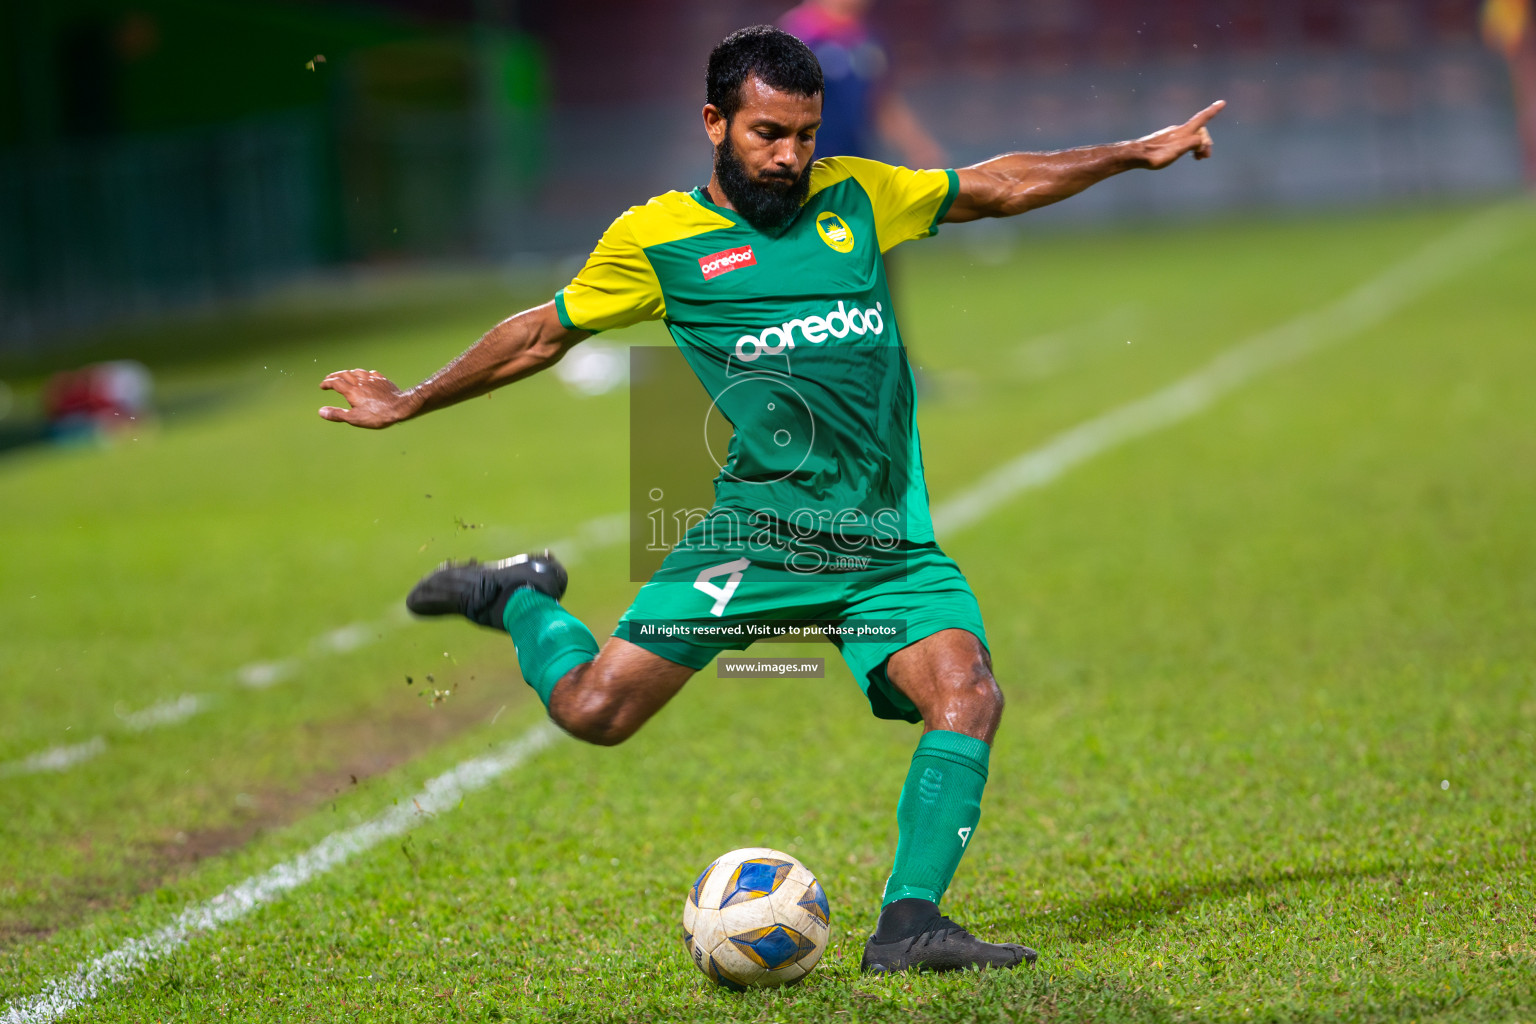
[838,323]
[717,263]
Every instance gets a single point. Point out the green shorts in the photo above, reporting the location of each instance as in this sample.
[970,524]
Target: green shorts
[700,603]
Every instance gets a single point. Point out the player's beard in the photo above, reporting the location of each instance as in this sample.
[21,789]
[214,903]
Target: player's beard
[768,203]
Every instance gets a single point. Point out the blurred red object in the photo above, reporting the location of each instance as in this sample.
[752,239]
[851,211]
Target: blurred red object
[103,396]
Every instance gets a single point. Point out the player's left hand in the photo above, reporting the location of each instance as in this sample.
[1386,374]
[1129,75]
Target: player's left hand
[376,402]
[1163,148]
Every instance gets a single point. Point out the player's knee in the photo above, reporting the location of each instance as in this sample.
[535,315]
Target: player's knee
[982,694]
[972,701]
[593,721]
[597,732]
[591,726]
[591,712]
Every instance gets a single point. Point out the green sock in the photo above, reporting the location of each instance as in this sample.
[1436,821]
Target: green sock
[550,641]
[937,813]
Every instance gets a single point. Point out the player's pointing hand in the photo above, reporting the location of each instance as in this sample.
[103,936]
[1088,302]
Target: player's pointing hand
[376,402]
[1164,147]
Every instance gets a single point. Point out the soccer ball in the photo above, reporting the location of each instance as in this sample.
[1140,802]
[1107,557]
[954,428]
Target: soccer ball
[755,918]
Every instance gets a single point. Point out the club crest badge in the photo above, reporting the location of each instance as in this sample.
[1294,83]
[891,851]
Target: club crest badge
[835,232]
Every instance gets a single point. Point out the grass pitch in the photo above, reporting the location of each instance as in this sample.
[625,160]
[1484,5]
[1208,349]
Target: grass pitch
[1271,676]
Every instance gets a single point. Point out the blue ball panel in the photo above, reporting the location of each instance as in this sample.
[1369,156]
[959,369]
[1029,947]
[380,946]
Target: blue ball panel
[754,878]
[773,947]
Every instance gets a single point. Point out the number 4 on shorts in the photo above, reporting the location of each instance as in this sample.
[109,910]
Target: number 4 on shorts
[722,595]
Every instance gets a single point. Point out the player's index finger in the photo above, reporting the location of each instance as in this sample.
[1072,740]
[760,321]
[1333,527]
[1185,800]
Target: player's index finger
[1209,112]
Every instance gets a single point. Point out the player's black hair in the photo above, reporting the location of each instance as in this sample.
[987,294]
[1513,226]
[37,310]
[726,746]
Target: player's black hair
[771,54]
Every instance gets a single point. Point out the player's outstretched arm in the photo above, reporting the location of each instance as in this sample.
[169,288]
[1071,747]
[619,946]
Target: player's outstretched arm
[1018,182]
[513,349]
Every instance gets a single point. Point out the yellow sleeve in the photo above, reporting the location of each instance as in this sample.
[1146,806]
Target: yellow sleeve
[907,204]
[617,287]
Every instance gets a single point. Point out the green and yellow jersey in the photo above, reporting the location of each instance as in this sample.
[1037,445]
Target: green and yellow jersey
[793,336]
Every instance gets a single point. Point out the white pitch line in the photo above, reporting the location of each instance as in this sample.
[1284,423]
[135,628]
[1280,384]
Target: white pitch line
[598,532]
[1366,306]
[167,712]
[55,759]
[595,533]
[258,675]
[347,638]
[68,992]
[58,759]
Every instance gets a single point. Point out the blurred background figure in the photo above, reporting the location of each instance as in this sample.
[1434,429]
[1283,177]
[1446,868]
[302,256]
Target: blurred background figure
[169,156]
[1507,28]
[97,400]
[861,108]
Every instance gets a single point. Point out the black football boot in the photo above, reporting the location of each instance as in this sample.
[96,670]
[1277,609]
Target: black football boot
[479,591]
[914,936]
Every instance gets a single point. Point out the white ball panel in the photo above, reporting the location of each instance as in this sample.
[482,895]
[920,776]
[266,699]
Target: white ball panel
[707,932]
[705,937]
[786,904]
[690,917]
[743,917]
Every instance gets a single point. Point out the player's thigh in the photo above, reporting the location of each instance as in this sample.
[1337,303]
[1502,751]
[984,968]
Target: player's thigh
[948,676]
